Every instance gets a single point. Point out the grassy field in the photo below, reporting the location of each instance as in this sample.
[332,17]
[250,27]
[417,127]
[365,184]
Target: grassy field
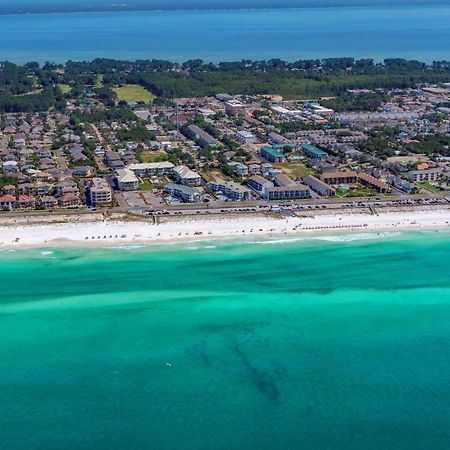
[294,169]
[133,93]
[65,88]
[146,185]
[360,191]
[149,157]
[429,187]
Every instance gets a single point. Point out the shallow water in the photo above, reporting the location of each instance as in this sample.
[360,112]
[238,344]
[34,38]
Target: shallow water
[309,343]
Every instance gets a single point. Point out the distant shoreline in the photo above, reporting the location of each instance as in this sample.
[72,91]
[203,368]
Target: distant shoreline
[127,8]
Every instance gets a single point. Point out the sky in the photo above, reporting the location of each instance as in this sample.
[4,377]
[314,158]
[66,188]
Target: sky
[21,6]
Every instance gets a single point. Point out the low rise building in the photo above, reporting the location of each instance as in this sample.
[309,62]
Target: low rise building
[152,169]
[425,175]
[271,155]
[204,137]
[319,186]
[186,176]
[235,108]
[99,192]
[335,178]
[245,137]
[187,194]
[295,191]
[127,180]
[230,189]
[259,183]
[313,152]
[281,179]
[373,183]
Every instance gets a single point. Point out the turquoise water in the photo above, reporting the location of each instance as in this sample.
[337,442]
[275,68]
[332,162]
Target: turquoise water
[341,343]
[415,32]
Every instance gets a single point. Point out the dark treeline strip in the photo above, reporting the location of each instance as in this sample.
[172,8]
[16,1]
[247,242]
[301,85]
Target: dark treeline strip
[299,79]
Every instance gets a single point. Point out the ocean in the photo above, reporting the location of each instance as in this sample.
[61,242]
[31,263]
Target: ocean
[413,32]
[335,342]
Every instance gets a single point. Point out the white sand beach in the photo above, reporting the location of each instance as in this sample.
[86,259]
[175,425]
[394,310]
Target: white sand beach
[101,232]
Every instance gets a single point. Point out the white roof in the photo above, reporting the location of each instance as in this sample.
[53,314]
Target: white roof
[148,166]
[185,172]
[126,176]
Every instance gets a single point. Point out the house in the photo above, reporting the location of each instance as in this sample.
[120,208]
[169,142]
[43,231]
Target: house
[7,202]
[334,178]
[319,186]
[271,155]
[254,169]
[27,201]
[187,194]
[186,176]
[47,201]
[99,192]
[245,137]
[9,189]
[112,157]
[240,169]
[83,171]
[10,167]
[127,180]
[230,189]
[69,201]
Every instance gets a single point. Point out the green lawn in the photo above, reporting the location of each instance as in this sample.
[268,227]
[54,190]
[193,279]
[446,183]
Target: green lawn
[65,88]
[429,187]
[146,185]
[149,157]
[133,93]
[360,191]
[294,169]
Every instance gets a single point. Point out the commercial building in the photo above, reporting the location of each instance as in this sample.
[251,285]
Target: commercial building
[99,192]
[319,186]
[334,178]
[230,189]
[271,155]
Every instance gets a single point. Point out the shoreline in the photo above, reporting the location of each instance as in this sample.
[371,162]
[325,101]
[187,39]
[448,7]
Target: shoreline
[210,8]
[113,232]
